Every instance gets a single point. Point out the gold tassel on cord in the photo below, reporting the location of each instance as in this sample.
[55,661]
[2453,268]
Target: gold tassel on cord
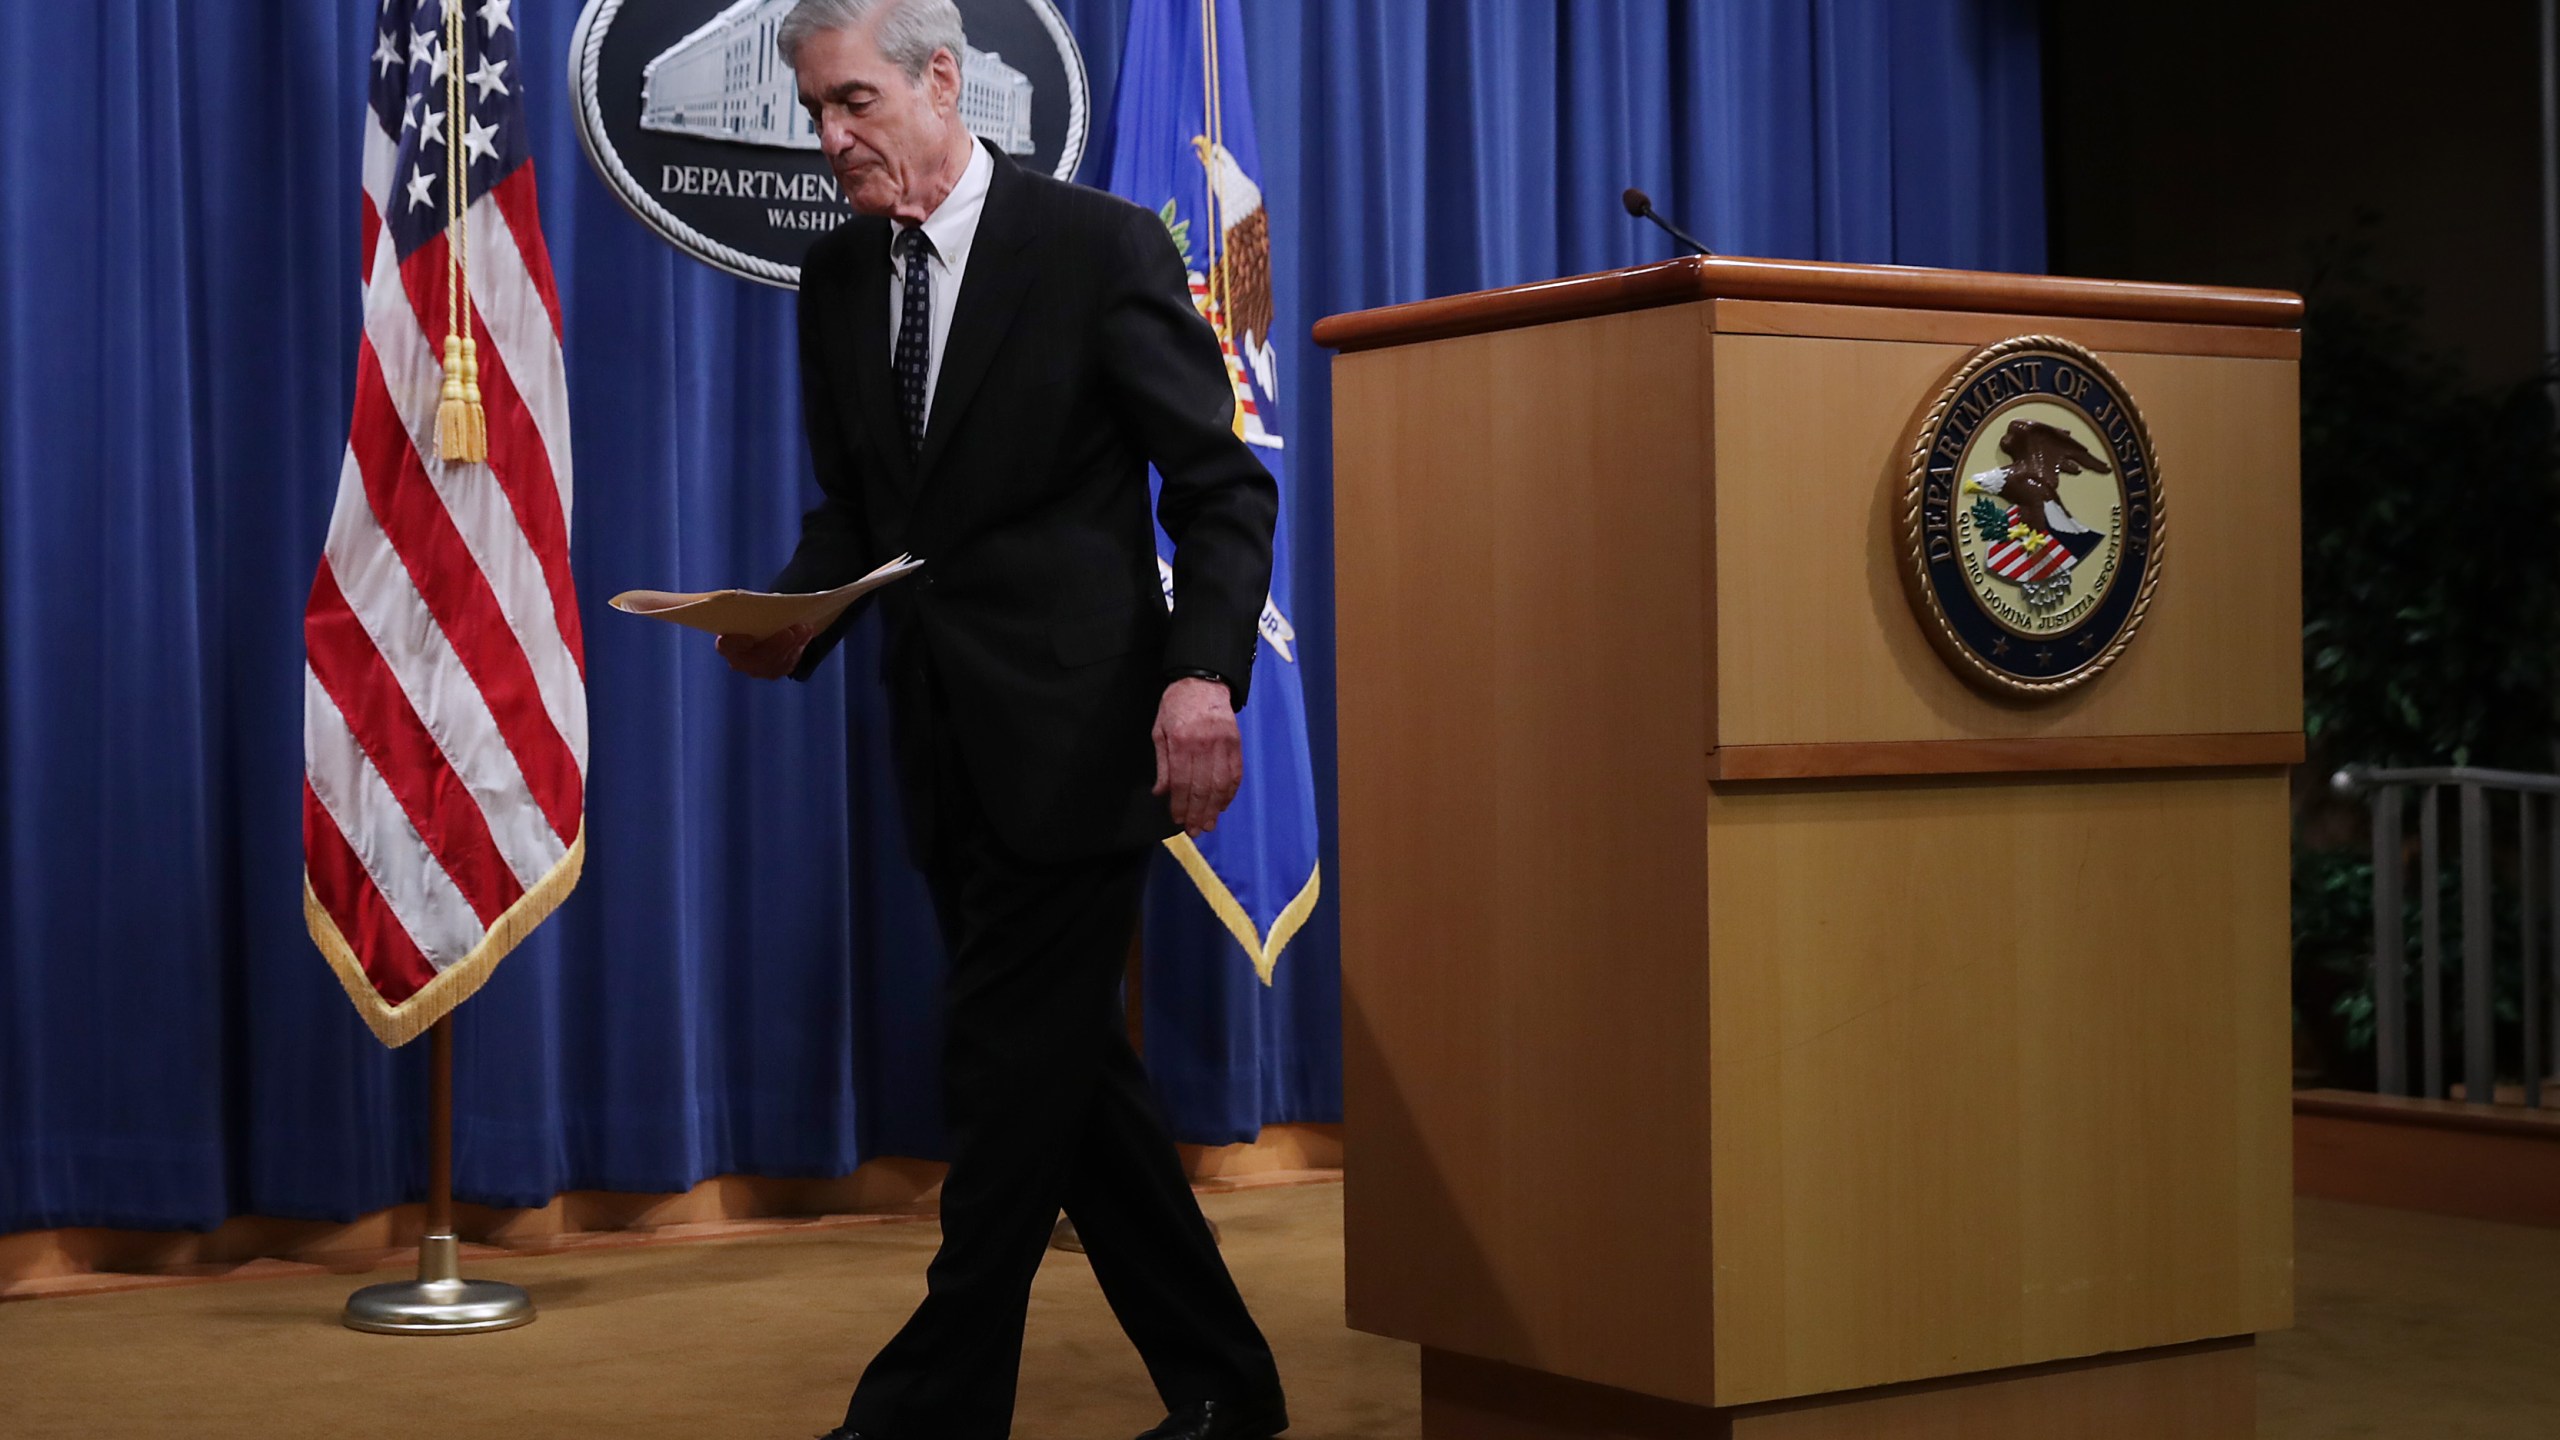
[471,398]
[461,430]
[462,425]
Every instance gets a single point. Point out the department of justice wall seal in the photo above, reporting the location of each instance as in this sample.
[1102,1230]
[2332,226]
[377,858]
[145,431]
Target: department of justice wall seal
[2031,518]
[687,111]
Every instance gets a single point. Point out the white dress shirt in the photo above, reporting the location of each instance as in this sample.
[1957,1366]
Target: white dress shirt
[952,227]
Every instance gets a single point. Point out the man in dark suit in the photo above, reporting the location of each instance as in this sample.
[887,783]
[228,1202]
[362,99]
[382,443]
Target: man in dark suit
[990,359]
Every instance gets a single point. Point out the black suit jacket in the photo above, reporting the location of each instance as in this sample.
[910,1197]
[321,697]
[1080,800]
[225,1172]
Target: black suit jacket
[1033,647]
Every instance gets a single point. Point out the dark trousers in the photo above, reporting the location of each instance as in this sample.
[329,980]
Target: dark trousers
[1049,1108]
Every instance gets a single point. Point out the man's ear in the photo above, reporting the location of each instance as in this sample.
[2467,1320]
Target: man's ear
[942,80]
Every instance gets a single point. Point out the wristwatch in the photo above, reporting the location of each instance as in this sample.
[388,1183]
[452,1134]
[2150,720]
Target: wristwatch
[1194,672]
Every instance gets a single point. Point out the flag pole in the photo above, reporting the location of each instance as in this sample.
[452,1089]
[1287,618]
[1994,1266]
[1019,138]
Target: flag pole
[439,1301]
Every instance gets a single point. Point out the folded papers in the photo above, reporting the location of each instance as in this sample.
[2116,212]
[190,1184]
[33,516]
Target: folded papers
[756,612]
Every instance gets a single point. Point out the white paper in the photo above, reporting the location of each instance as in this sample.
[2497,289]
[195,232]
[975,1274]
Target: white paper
[758,613]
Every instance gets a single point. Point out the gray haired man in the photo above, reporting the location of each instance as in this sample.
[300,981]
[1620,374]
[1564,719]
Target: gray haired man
[990,361]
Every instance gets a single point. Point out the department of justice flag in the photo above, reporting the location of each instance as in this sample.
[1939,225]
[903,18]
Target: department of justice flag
[444,703]
[1183,146]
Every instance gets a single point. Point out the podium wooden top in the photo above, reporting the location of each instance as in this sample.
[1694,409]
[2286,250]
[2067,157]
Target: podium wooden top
[1698,277]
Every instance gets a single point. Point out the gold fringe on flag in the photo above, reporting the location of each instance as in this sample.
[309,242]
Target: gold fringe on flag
[1263,950]
[397,1025]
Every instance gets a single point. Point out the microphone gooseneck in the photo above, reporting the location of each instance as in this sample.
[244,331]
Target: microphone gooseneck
[1640,205]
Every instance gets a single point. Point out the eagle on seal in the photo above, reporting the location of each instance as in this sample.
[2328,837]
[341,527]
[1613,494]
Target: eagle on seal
[2039,456]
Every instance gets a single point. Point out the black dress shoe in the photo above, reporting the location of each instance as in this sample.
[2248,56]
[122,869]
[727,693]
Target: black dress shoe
[841,1433]
[1220,1420]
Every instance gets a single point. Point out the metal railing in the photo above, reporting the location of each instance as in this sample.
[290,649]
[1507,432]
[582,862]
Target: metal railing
[2535,953]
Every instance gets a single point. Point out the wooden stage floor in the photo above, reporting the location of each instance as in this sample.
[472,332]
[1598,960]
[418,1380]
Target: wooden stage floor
[2410,1325]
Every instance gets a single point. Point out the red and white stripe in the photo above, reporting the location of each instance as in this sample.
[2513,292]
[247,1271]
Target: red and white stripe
[445,710]
[2013,560]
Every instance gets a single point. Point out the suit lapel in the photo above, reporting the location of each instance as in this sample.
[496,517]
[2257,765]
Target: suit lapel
[990,291]
[869,324]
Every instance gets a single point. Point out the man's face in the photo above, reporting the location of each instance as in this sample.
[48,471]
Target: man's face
[884,135]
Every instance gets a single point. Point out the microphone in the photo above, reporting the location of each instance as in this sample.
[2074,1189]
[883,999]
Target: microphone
[1640,205]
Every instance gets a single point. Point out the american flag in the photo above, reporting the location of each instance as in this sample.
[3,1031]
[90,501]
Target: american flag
[444,707]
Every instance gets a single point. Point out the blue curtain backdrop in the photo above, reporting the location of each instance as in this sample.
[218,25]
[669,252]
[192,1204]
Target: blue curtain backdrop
[745,980]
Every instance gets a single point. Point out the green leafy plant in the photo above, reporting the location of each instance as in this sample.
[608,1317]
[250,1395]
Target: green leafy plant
[2431,613]
[2431,600]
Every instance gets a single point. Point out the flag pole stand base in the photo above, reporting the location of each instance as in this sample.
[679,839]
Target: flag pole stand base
[439,1301]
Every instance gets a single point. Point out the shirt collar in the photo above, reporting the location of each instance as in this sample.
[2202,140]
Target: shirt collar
[953,225]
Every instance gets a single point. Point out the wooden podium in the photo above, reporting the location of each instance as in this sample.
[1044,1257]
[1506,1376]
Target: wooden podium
[1752,1028]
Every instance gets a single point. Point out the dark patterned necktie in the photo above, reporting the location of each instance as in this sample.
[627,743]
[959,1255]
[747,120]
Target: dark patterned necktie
[914,355]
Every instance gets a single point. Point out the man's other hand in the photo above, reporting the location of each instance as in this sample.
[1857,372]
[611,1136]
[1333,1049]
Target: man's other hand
[770,658]
[1199,756]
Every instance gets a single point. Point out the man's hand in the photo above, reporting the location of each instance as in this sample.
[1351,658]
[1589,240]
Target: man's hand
[770,658]
[1199,756]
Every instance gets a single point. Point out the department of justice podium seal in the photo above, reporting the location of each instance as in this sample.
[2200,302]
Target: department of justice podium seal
[2031,518]
[688,113]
